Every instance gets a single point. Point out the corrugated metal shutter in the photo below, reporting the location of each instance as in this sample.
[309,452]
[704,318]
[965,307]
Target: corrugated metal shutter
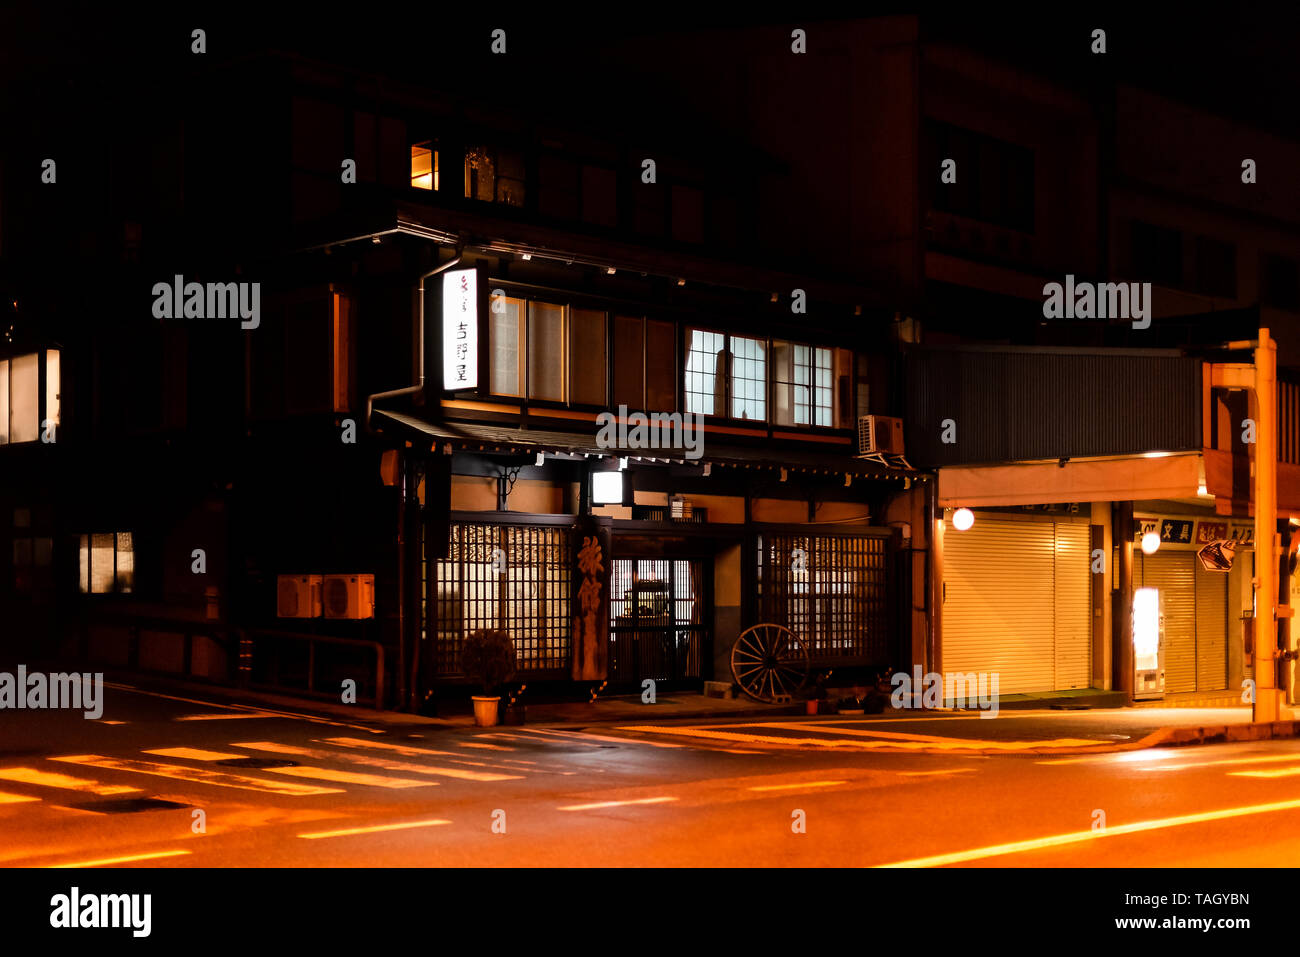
[998,612]
[1172,573]
[1073,608]
[1211,630]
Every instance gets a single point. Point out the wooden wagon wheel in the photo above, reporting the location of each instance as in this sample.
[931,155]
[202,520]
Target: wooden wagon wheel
[768,661]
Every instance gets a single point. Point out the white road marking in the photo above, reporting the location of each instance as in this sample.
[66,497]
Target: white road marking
[791,787]
[124,860]
[65,782]
[386,764]
[1076,837]
[346,832]
[600,804]
[198,775]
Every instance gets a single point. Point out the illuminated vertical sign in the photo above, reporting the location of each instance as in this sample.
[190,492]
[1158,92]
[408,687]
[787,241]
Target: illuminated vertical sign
[460,329]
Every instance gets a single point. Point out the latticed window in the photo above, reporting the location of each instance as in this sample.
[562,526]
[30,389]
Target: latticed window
[830,590]
[518,578]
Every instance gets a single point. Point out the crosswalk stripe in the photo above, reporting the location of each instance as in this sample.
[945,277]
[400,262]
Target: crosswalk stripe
[602,737]
[371,830]
[193,754]
[603,804]
[563,735]
[178,772]
[1270,773]
[16,798]
[124,860]
[353,777]
[402,749]
[387,764]
[796,785]
[66,782]
[220,717]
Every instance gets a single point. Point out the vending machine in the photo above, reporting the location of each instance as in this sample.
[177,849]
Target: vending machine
[1148,644]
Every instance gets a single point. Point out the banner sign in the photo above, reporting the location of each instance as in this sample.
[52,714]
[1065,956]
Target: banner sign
[460,329]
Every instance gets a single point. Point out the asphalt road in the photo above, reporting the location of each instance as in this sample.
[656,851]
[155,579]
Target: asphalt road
[251,788]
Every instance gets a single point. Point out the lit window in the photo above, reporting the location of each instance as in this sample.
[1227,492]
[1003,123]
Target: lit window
[494,175]
[424,166]
[24,399]
[749,378]
[20,397]
[52,386]
[505,338]
[546,351]
[705,372]
[107,563]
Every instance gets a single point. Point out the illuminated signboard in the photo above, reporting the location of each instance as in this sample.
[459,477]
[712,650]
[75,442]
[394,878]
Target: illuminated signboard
[460,329]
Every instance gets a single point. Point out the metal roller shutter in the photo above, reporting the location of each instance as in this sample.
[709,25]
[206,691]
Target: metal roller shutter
[1211,630]
[1073,608]
[999,598]
[1172,573]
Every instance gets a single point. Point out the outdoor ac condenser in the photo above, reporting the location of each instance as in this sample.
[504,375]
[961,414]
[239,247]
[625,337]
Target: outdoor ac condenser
[880,434]
[349,596]
[298,596]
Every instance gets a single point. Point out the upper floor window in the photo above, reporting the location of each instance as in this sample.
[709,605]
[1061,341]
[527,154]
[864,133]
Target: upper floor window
[21,403]
[1216,268]
[107,563]
[706,372]
[1156,254]
[494,175]
[32,551]
[802,390]
[424,166]
[748,380]
[995,179]
[726,375]
[1279,282]
[644,364]
[546,351]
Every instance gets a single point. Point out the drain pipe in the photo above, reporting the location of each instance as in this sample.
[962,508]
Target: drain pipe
[417,389]
[408,492]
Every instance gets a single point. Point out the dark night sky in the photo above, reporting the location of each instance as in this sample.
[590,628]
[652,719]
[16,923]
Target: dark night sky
[1242,63]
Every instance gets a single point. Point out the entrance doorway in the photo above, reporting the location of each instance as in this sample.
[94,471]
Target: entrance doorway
[656,620]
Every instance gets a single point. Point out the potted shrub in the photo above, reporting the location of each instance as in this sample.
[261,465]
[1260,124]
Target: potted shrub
[489,659]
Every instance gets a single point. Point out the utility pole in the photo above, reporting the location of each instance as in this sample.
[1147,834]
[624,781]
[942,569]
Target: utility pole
[1268,544]
[1261,379]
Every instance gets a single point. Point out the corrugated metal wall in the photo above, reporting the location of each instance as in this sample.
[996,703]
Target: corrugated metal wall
[1031,403]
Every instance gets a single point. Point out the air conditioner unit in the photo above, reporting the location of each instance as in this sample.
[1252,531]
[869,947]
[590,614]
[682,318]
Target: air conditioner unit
[298,596]
[349,596]
[879,434]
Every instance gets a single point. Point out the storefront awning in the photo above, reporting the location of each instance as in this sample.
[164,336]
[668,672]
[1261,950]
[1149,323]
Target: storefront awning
[465,436]
[1083,480]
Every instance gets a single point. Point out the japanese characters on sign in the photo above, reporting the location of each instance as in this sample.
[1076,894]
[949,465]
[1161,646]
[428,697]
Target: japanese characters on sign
[460,329]
[1207,532]
[1195,532]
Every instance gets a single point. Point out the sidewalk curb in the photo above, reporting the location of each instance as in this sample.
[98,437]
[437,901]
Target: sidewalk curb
[1228,733]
